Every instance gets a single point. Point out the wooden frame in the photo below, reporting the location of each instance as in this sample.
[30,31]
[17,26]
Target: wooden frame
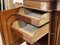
[0,23]
[54,25]
[55,29]
[58,32]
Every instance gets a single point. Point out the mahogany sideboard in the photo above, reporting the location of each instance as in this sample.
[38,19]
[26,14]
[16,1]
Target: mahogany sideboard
[12,37]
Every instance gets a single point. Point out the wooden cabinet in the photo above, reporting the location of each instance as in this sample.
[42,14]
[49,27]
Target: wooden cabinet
[13,36]
[15,30]
[10,36]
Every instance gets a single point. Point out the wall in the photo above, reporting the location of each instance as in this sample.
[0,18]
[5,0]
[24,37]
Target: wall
[19,1]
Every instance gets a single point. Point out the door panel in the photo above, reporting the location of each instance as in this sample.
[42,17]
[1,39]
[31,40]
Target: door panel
[10,37]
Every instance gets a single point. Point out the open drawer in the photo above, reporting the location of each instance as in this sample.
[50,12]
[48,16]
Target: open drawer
[29,32]
[35,17]
[37,5]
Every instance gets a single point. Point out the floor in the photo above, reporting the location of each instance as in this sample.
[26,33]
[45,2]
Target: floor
[1,40]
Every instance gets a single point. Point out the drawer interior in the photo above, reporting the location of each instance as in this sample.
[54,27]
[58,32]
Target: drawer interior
[29,31]
[27,27]
[32,12]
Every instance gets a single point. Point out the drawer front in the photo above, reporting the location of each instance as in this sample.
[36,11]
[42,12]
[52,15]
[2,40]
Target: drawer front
[27,33]
[37,5]
[36,0]
[32,4]
[39,0]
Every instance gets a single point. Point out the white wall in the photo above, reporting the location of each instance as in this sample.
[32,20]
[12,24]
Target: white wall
[1,43]
[9,3]
[58,6]
[19,1]
[1,4]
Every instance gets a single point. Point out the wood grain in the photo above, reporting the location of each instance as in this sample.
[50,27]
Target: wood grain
[45,6]
[38,18]
[7,18]
[28,36]
[0,22]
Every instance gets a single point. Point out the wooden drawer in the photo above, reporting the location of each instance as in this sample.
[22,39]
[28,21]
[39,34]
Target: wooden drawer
[35,17]
[38,0]
[37,5]
[32,4]
[29,32]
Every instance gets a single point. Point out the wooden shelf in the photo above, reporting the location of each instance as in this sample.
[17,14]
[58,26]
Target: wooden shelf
[29,32]
[44,6]
[35,17]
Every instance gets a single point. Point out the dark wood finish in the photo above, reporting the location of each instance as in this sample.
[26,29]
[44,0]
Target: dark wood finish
[53,29]
[0,26]
[54,24]
[0,23]
[58,30]
[43,40]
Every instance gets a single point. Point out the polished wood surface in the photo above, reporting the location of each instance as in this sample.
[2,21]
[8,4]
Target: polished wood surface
[54,18]
[29,35]
[0,22]
[13,37]
[34,17]
[7,18]
[38,5]
[58,31]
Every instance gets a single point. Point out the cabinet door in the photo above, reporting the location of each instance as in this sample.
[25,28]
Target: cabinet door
[10,36]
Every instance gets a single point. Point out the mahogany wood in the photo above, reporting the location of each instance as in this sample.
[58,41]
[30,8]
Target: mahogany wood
[7,19]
